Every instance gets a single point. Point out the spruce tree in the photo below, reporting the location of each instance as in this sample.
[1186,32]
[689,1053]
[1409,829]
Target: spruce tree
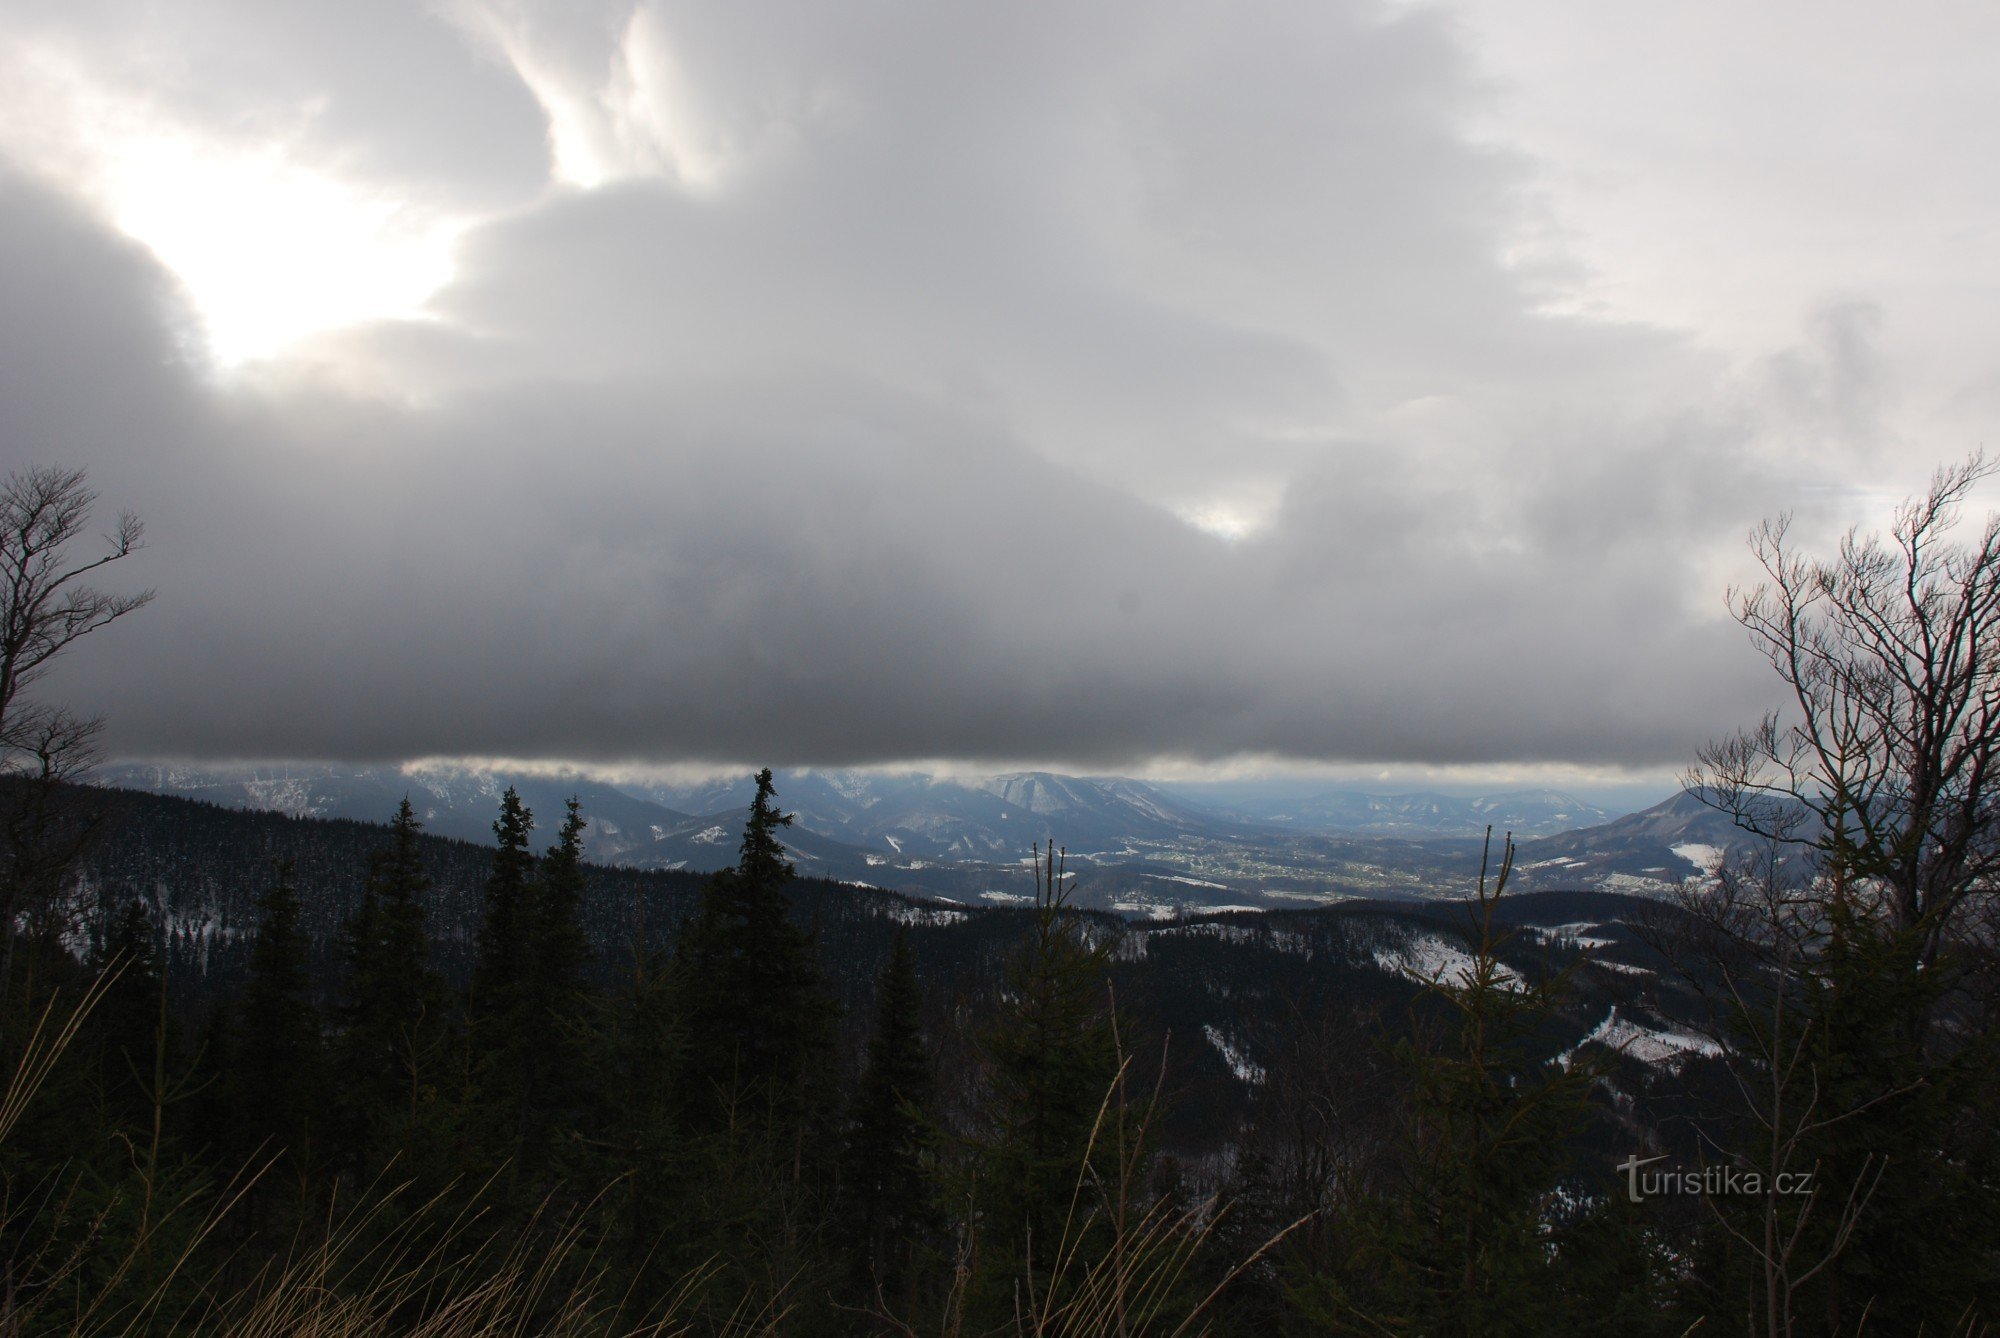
[551,1017]
[756,1082]
[138,1169]
[756,1007]
[1462,1245]
[888,1158]
[279,1046]
[560,950]
[390,1013]
[124,1029]
[1052,1056]
[504,952]
[643,1141]
[508,1029]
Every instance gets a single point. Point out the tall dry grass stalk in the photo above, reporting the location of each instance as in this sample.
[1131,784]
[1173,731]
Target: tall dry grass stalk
[47,1040]
[334,1285]
[1139,1283]
[347,1276]
[340,1277]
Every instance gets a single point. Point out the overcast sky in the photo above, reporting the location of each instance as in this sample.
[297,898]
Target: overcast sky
[1129,386]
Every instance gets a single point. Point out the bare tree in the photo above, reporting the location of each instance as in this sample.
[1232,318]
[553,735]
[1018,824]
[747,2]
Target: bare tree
[1848,954]
[1887,760]
[1752,947]
[47,604]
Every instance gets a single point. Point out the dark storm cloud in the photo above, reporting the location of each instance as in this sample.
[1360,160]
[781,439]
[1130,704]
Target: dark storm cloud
[869,444]
[807,568]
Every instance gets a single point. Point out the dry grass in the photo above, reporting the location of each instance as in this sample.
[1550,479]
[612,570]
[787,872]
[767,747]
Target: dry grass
[1139,1283]
[432,1274]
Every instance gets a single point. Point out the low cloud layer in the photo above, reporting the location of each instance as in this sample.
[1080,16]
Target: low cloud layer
[1084,387]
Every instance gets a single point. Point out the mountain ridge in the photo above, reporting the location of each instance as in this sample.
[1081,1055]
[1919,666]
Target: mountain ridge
[1138,848]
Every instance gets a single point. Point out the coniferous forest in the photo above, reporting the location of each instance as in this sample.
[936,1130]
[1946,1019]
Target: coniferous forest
[274,1075]
[602,1102]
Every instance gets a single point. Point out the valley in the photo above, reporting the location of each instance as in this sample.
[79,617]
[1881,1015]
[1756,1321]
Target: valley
[1135,848]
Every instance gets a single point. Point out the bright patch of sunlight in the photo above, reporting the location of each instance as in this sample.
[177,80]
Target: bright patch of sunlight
[268,250]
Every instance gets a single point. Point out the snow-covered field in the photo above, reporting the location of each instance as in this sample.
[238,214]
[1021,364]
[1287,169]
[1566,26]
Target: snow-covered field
[1646,1044]
[1429,959]
[1703,857]
[1152,910]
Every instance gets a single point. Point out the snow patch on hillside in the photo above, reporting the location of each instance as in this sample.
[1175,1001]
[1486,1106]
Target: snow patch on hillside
[1577,933]
[1703,857]
[1648,1045]
[290,796]
[1151,909]
[1239,1063]
[1209,929]
[1429,959]
[928,916]
[1632,885]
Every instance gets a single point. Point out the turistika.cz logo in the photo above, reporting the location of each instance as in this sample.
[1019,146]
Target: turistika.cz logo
[1710,1181]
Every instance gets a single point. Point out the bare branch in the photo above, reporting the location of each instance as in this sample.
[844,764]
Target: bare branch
[45,604]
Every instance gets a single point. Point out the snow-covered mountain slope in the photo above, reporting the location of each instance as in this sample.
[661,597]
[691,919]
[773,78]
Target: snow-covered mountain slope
[451,801]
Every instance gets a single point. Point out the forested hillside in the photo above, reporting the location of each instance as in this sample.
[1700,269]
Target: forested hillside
[755,1101]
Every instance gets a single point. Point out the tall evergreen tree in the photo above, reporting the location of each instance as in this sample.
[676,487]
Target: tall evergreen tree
[756,1082]
[888,1161]
[391,1012]
[757,1010]
[551,1019]
[125,1028]
[643,1141]
[279,1046]
[505,954]
[561,951]
[507,1028]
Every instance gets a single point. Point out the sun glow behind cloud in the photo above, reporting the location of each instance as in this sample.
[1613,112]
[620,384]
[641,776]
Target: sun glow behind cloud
[269,249]
[271,253]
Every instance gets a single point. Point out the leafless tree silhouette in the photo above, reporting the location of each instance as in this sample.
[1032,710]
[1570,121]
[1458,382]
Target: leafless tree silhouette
[47,604]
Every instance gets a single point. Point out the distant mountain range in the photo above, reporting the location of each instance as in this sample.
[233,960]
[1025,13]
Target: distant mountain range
[456,802]
[991,818]
[1646,852]
[1137,847]
[1312,807]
